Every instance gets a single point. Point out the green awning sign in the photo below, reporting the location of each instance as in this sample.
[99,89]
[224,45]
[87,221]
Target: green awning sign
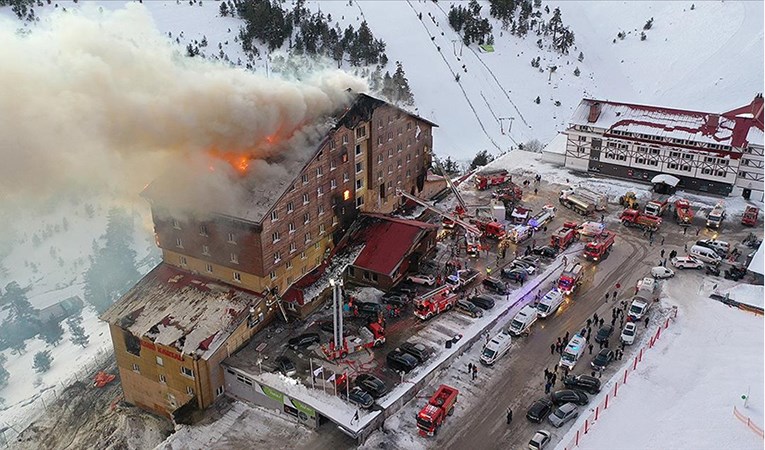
[304,408]
[274,394]
[487,48]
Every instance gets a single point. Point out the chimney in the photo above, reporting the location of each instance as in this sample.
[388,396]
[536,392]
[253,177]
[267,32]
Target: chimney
[713,120]
[757,107]
[595,111]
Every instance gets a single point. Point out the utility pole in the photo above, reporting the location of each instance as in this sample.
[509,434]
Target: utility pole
[454,46]
[509,127]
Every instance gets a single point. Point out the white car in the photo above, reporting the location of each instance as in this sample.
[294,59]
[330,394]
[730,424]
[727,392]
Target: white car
[422,279]
[687,262]
[662,272]
[628,333]
[540,439]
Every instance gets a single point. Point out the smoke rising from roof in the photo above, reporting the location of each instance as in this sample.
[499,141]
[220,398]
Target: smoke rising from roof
[102,99]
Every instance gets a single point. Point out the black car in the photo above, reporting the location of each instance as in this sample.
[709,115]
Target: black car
[419,351]
[601,360]
[400,361]
[303,341]
[360,397]
[545,251]
[285,366]
[586,383]
[515,275]
[539,410]
[569,396]
[530,260]
[329,327]
[604,333]
[495,285]
[482,301]
[368,308]
[373,385]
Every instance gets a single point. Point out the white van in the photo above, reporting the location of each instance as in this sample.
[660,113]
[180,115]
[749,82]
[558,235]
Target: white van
[638,308]
[550,303]
[705,254]
[591,229]
[573,351]
[523,321]
[520,233]
[496,348]
[721,247]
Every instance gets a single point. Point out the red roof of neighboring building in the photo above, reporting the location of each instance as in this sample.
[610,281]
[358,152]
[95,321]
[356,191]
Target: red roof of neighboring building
[388,240]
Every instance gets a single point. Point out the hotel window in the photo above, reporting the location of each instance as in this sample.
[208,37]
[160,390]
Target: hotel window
[231,238]
[390,135]
[136,368]
[379,123]
[234,258]
[379,140]
[380,158]
[291,227]
[189,390]
[344,157]
[209,268]
[408,173]
[390,153]
[290,207]
[379,174]
[178,242]
[332,164]
[277,257]
[306,198]
[322,228]
[203,230]
[332,143]
[307,238]
[408,158]
[334,220]
[319,155]
[306,217]
[321,209]
[399,147]
[320,191]
[345,139]
[302,255]
[390,168]
[332,183]
[293,247]
[346,177]
[358,149]
[408,126]
[274,216]
[176,224]
[409,143]
[398,164]
[361,132]
[304,178]
[346,195]
[162,379]
[359,167]
[319,171]
[237,277]
[219,391]
[275,237]
[272,275]
[359,202]
[205,250]
[183,260]
[289,264]
[582,138]
[359,184]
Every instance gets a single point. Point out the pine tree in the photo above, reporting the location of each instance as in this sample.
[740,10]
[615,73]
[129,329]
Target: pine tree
[648,24]
[537,100]
[576,72]
[403,92]
[224,9]
[581,57]
[14,300]
[78,332]
[481,158]
[642,36]
[42,361]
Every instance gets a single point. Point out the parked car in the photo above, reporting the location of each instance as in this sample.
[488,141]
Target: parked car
[428,280]
[588,384]
[361,398]
[662,272]
[373,385]
[686,262]
[285,366]
[395,300]
[530,259]
[329,327]
[525,265]
[628,333]
[604,333]
[303,341]
[419,351]
[539,410]
[545,251]
[602,359]
[563,414]
[482,301]
[540,440]
[720,247]
[469,308]
[569,396]
[368,308]
[400,361]
[495,285]
[515,275]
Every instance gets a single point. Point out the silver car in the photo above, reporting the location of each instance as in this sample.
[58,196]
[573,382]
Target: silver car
[540,440]
[563,414]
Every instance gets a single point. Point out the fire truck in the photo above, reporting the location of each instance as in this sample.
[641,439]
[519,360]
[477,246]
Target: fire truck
[440,405]
[490,229]
[570,279]
[683,212]
[600,201]
[373,335]
[462,278]
[461,209]
[491,178]
[435,302]
[750,216]
[656,207]
[634,218]
[564,236]
[509,195]
[520,215]
[543,217]
[600,247]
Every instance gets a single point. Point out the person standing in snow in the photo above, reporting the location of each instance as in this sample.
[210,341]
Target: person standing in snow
[646,321]
[591,349]
[509,415]
[552,349]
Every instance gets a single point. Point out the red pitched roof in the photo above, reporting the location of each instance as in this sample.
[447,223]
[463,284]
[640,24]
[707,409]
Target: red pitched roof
[388,240]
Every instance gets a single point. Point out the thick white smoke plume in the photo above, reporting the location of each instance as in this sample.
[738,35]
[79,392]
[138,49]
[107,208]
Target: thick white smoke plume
[102,99]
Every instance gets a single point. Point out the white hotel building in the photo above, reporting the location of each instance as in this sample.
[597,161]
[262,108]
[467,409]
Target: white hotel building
[708,152]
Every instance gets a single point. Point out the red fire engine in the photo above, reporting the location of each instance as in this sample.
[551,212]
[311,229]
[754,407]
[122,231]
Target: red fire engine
[440,405]
[564,236]
[434,302]
[750,216]
[570,279]
[488,179]
[683,212]
[373,335]
[634,218]
[600,247]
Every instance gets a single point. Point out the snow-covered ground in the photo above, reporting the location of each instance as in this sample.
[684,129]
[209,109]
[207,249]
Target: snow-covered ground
[683,393]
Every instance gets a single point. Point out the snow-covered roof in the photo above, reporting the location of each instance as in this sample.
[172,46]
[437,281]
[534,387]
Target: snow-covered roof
[556,145]
[757,262]
[666,179]
[177,309]
[729,128]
